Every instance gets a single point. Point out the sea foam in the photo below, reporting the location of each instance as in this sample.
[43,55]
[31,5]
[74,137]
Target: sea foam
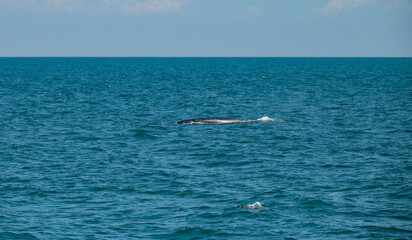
[268,119]
[254,205]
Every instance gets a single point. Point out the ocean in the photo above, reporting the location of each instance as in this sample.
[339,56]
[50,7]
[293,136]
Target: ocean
[89,148]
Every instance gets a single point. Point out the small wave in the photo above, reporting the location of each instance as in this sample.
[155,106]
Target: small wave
[193,231]
[143,134]
[12,235]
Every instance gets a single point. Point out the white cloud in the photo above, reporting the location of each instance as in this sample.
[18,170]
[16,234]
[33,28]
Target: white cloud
[339,5]
[334,6]
[151,6]
[300,18]
[60,5]
[252,11]
[399,4]
[96,6]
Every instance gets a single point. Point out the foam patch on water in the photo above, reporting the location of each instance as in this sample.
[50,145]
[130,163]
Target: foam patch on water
[254,205]
[268,119]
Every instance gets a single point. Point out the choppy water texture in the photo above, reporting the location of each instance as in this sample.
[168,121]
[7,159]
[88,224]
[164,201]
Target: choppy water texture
[89,148]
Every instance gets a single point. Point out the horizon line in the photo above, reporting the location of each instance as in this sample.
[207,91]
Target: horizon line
[205,56]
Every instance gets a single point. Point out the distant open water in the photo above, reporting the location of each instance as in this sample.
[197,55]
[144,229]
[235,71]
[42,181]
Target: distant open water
[89,148]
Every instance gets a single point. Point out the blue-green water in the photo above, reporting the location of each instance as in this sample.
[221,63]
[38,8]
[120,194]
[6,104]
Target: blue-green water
[89,148]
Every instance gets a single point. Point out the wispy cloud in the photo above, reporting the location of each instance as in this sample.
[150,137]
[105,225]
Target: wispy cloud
[96,6]
[252,11]
[151,6]
[334,6]
[299,18]
[399,4]
[339,5]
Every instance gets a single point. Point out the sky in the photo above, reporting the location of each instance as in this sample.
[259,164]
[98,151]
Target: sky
[206,28]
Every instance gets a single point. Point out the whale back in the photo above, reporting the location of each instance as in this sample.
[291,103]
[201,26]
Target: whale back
[214,120]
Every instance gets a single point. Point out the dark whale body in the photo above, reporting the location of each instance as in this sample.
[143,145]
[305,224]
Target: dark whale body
[215,120]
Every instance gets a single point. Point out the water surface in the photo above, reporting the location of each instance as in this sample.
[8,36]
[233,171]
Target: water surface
[89,148]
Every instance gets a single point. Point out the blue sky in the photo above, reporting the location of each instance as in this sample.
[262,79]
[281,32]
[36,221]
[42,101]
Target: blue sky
[278,28]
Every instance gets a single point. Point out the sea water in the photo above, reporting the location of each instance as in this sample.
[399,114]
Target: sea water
[89,148]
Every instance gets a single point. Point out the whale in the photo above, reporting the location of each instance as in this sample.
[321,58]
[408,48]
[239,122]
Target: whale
[213,120]
[221,120]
